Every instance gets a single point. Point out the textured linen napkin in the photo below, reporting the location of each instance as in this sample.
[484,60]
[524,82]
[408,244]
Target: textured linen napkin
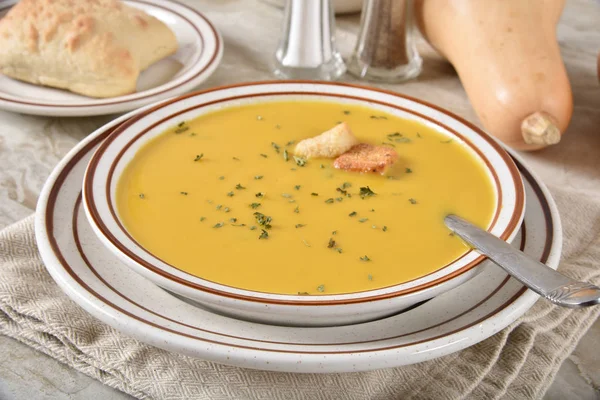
[519,362]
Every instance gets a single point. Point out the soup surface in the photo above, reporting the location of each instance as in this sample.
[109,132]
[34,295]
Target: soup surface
[222,198]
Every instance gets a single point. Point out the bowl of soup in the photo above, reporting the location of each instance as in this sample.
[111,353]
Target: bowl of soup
[206,196]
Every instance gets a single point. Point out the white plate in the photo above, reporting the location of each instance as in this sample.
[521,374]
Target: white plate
[200,51]
[110,291]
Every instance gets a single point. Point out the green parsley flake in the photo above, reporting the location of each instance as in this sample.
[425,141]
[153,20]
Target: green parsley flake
[275,146]
[263,155]
[370,277]
[352,214]
[258,177]
[202,219]
[255,205]
[236,159]
[347,112]
[230,194]
[142,196]
[263,220]
[221,178]
[331,243]
[263,234]
[408,171]
[447,141]
[321,288]
[285,155]
[252,228]
[322,166]
[297,187]
[219,206]
[199,157]
[412,201]
[301,162]
[384,228]
[297,210]
[226,209]
[286,195]
[219,225]
[365,192]
[314,194]
[300,225]
[239,187]
[260,194]
[232,219]
[329,201]
[363,220]
[291,142]
[184,193]
[365,258]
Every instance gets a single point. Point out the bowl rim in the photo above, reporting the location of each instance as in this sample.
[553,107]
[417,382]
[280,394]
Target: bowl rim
[287,299]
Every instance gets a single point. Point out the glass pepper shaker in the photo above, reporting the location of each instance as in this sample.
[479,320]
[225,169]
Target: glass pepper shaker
[385,50]
[307,46]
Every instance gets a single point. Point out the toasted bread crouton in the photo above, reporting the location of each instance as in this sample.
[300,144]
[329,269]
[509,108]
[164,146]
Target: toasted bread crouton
[329,144]
[366,158]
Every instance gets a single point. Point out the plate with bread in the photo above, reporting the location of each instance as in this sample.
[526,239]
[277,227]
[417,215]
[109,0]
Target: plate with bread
[95,57]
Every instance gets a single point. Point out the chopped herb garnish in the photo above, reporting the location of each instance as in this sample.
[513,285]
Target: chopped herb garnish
[297,187]
[260,194]
[219,225]
[236,159]
[259,117]
[301,162]
[221,178]
[230,194]
[329,201]
[339,250]
[402,140]
[384,228]
[391,136]
[418,135]
[286,195]
[365,258]
[226,209]
[181,128]
[184,193]
[263,234]
[346,185]
[258,177]
[255,205]
[321,288]
[193,134]
[321,166]
[408,171]
[285,155]
[363,220]
[291,142]
[339,198]
[275,146]
[263,220]
[277,126]
[331,243]
[199,157]
[219,207]
[347,112]
[297,210]
[182,123]
[314,194]
[412,201]
[239,187]
[447,141]
[388,144]
[232,219]
[300,225]
[202,219]
[142,196]
[451,234]
[366,191]
[352,214]
[372,210]
[370,277]
[263,155]
[334,232]
[303,293]
[252,228]
[378,117]
[238,224]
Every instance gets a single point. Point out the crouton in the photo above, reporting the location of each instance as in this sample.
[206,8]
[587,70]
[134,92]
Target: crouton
[329,144]
[366,158]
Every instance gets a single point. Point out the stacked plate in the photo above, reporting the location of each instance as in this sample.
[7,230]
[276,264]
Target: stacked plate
[98,264]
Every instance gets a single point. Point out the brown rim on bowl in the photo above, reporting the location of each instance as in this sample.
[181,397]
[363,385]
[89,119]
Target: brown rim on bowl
[312,300]
[218,45]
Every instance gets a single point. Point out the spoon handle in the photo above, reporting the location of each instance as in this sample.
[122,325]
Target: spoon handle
[540,278]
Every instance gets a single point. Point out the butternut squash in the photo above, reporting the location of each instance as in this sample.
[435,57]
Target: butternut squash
[508,59]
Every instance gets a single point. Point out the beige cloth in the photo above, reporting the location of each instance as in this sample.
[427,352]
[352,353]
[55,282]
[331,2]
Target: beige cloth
[520,362]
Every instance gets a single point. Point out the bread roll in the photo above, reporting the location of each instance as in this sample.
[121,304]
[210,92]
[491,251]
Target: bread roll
[95,48]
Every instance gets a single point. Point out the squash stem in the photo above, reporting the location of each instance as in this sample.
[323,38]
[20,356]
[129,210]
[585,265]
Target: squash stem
[540,128]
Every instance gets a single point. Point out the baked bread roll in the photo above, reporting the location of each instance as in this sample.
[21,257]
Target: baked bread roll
[92,47]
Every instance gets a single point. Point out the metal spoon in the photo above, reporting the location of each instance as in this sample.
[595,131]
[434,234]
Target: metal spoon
[540,278]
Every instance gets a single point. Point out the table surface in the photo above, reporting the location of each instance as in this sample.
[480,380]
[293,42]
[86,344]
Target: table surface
[31,146]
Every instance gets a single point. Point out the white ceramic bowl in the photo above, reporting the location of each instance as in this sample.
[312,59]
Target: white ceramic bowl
[119,148]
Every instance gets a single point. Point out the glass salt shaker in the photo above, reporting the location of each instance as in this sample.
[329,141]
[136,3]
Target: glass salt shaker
[385,50]
[307,46]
